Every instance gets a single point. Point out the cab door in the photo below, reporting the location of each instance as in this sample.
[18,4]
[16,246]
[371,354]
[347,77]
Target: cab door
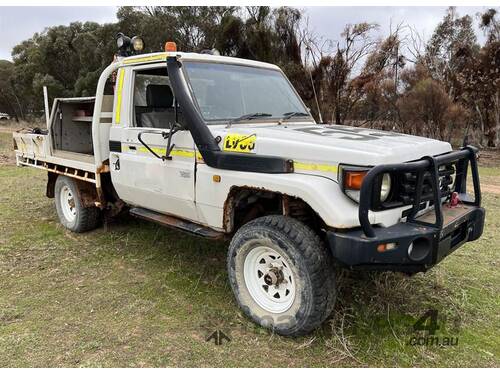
[140,173]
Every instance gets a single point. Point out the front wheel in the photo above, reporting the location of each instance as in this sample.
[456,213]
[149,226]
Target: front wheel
[282,275]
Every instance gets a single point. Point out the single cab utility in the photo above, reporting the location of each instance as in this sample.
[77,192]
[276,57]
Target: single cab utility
[225,148]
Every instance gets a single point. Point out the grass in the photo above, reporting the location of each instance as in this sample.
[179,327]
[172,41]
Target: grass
[136,294]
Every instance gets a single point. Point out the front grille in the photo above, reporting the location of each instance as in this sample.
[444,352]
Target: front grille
[404,188]
[408,184]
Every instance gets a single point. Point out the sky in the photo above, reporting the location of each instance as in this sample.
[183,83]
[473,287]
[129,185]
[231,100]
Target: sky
[20,23]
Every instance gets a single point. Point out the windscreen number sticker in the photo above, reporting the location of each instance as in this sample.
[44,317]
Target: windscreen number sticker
[240,143]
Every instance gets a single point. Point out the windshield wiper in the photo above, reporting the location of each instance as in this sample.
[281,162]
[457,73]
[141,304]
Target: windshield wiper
[248,116]
[289,115]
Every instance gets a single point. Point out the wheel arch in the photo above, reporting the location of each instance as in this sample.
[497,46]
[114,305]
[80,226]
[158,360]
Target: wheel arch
[245,203]
[87,192]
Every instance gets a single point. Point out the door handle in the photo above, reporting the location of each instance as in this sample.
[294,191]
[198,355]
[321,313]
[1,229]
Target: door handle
[132,148]
[117,164]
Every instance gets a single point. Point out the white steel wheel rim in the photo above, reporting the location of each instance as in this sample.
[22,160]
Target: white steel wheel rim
[269,279]
[68,203]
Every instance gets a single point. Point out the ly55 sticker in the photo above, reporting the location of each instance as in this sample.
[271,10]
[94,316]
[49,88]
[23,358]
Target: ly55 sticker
[240,143]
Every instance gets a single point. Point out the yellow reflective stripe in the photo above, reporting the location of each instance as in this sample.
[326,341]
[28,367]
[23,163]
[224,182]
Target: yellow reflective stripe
[118,108]
[145,59]
[183,153]
[315,167]
[162,150]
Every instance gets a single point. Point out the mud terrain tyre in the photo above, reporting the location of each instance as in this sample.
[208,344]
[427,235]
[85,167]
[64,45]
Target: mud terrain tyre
[282,275]
[72,214]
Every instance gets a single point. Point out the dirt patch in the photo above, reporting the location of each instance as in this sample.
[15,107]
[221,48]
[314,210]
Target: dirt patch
[489,158]
[7,159]
[7,155]
[494,189]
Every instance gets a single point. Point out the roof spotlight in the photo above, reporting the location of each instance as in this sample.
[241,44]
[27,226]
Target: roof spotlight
[137,43]
[129,46]
[122,41]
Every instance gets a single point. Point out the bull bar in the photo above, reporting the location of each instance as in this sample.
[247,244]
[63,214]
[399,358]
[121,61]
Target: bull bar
[434,239]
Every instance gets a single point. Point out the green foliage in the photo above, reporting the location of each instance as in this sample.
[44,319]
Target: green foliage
[66,59]
[6,88]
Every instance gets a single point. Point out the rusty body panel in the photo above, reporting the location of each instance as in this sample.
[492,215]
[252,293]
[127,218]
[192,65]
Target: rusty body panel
[287,205]
[87,193]
[232,200]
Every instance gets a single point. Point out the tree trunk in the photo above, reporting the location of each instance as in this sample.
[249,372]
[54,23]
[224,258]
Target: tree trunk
[496,111]
[481,123]
[338,119]
[490,130]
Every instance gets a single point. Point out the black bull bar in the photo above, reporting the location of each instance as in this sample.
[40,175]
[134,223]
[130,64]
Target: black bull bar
[422,241]
[426,164]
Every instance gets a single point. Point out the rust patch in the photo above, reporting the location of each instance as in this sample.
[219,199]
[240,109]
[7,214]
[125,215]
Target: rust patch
[87,193]
[290,206]
[104,167]
[450,214]
[285,203]
[229,204]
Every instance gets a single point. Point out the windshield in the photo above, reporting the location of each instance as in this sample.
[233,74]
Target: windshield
[226,92]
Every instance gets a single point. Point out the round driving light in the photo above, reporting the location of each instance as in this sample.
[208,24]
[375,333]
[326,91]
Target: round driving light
[137,43]
[122,42]
[119,42]
[385,188]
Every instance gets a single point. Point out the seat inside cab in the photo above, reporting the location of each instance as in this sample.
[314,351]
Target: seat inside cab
[154,102]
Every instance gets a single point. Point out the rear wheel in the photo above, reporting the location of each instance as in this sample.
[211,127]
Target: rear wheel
[70,209]
[282,275]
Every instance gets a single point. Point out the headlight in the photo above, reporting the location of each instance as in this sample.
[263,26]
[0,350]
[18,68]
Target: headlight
[352,178]
[385,187]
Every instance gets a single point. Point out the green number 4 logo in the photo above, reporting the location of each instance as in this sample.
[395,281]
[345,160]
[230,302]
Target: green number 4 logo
[427,322]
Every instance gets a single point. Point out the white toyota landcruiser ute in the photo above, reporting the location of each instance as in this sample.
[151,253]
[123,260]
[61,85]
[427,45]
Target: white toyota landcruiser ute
[224,148]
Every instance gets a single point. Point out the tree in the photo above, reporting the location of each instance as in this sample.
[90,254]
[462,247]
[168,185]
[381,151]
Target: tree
[193,28]
[378,83]
[490,25]
[450,83]
[428,103]
[452,35]
[333,73]
[480,82]
[9,101]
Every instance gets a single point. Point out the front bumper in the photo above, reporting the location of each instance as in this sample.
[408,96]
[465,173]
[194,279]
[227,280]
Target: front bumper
[430,245]
[420,242]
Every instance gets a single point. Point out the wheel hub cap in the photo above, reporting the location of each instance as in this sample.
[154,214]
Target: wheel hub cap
[269,279]
[274,277]
[68,204]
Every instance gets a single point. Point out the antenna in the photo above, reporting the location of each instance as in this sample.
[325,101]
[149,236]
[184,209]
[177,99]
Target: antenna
[316,98]
[314,89]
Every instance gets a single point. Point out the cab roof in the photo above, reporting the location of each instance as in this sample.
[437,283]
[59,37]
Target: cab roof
[189,56]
